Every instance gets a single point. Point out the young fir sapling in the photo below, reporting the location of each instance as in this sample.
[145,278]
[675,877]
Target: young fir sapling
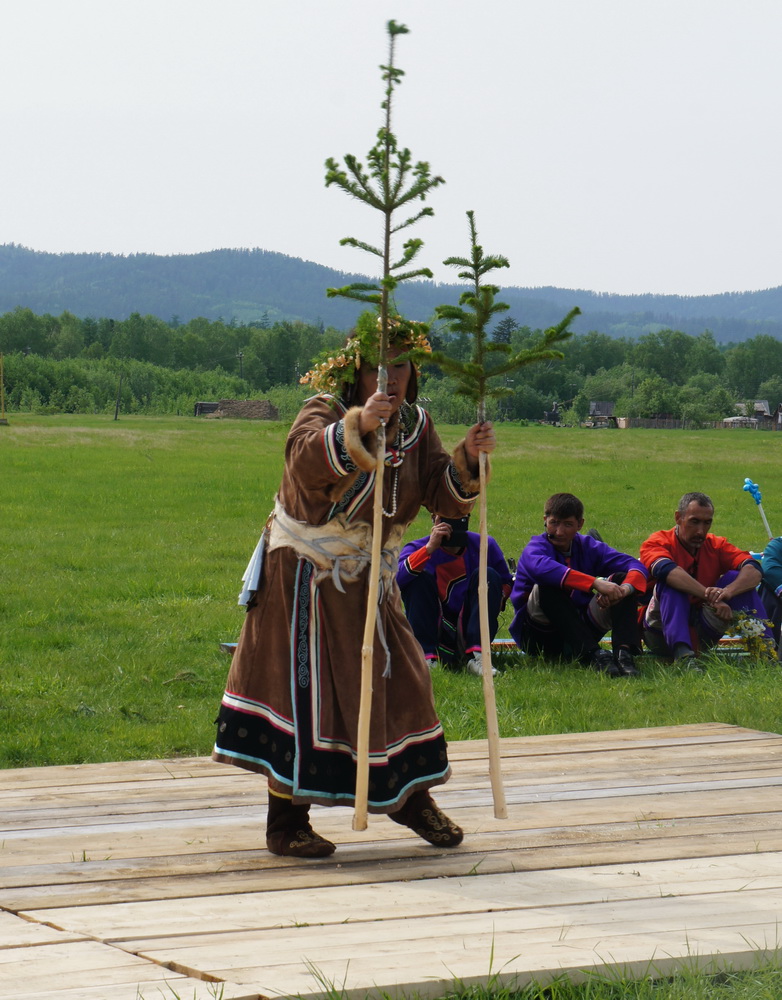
[382,186]
[389,182]
[477,379]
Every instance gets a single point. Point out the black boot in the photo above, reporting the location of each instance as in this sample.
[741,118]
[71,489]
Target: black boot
[421,814]
[288,831]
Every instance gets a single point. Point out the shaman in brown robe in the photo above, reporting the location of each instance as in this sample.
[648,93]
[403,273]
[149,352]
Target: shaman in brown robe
[290,709]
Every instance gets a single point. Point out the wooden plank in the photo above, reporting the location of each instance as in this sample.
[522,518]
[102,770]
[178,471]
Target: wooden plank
[89,850]
[179,797]
[88,825]
[183,852]
[374,902]
[459,941]
[654,757]
[45,969]
[441,939]
[524,773]
[617,843]
[125,772]
[533,778]
[183,768]
[542,849]
[626,960]
[686,735]
[59,807]
[16,932]
[168,989]
[702,772]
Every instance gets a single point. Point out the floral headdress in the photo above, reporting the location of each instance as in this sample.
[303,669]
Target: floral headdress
[338,368]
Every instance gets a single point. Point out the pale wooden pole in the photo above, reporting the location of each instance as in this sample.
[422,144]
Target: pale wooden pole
[370,624]
[360,803]
[492,726]
[388,166]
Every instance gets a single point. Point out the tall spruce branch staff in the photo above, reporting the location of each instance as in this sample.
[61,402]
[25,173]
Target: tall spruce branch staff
[478,380]
[391,180]
[291,705]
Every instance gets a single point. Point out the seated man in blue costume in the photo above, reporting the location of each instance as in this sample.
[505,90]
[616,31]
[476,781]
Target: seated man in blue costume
[571,589]
[770,589]
[438,577]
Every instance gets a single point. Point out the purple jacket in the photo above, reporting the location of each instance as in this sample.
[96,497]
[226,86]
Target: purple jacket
[541,563]
[452,572]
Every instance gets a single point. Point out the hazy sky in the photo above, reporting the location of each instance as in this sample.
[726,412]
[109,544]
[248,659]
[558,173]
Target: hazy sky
[611,145]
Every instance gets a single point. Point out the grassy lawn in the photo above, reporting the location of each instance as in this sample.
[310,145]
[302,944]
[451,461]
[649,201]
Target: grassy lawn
[124,543]
[765,984]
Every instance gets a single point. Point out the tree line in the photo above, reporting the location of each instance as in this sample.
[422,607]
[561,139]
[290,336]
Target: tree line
[69,364]
[64,364]
[662,374]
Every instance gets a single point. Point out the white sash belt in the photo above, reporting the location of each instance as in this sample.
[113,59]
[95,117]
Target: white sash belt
[339,550]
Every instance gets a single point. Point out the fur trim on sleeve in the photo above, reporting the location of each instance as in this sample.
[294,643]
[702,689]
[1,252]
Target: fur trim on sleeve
[460,464]
[354,443]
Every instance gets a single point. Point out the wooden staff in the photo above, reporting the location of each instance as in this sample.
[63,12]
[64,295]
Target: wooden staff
[473,378]
[492,726]
[370,623]
[381,185]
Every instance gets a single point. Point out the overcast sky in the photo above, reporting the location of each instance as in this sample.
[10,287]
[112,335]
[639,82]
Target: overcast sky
[610,145]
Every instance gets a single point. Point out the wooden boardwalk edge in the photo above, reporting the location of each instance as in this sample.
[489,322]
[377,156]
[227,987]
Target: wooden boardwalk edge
[625,854]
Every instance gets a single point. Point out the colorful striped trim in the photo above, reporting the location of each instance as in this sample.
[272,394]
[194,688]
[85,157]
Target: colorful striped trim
[355,496]
[259,761]
[412,739]
[455,488]
[415,432]
[249,707]
[337,456]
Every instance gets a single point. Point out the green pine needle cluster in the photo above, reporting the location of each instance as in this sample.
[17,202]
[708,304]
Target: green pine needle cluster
[478,378]
[389,181]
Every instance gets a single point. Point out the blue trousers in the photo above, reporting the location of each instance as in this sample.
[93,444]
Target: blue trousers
[678,620]
[434,627]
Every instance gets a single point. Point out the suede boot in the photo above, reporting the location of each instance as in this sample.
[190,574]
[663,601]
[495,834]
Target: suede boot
[421,815]
[288,831]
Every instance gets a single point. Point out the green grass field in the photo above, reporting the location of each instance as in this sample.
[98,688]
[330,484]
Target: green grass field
[123,545]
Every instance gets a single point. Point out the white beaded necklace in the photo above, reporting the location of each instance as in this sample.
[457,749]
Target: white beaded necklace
[395,463]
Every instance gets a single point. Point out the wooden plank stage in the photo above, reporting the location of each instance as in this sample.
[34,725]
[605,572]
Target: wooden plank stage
[632,851]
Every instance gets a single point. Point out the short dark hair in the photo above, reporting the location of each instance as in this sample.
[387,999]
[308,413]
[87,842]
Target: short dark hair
[564,505]
[701,499]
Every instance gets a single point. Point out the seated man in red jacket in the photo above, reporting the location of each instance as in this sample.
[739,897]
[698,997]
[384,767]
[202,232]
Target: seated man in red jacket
[700,581]
[570,589]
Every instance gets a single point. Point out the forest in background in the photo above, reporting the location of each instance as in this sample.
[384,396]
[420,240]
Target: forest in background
[64,364]
[250,285]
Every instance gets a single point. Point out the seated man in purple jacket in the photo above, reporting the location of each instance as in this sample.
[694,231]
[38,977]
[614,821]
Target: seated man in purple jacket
[438,577]
[570,589]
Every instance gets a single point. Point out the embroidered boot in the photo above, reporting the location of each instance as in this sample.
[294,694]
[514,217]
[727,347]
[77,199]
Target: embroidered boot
[421,814]
[288,831]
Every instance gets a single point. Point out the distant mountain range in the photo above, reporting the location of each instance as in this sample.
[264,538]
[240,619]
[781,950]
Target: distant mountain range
[249,285]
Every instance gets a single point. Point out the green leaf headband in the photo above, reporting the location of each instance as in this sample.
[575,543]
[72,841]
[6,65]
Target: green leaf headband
[338,368]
